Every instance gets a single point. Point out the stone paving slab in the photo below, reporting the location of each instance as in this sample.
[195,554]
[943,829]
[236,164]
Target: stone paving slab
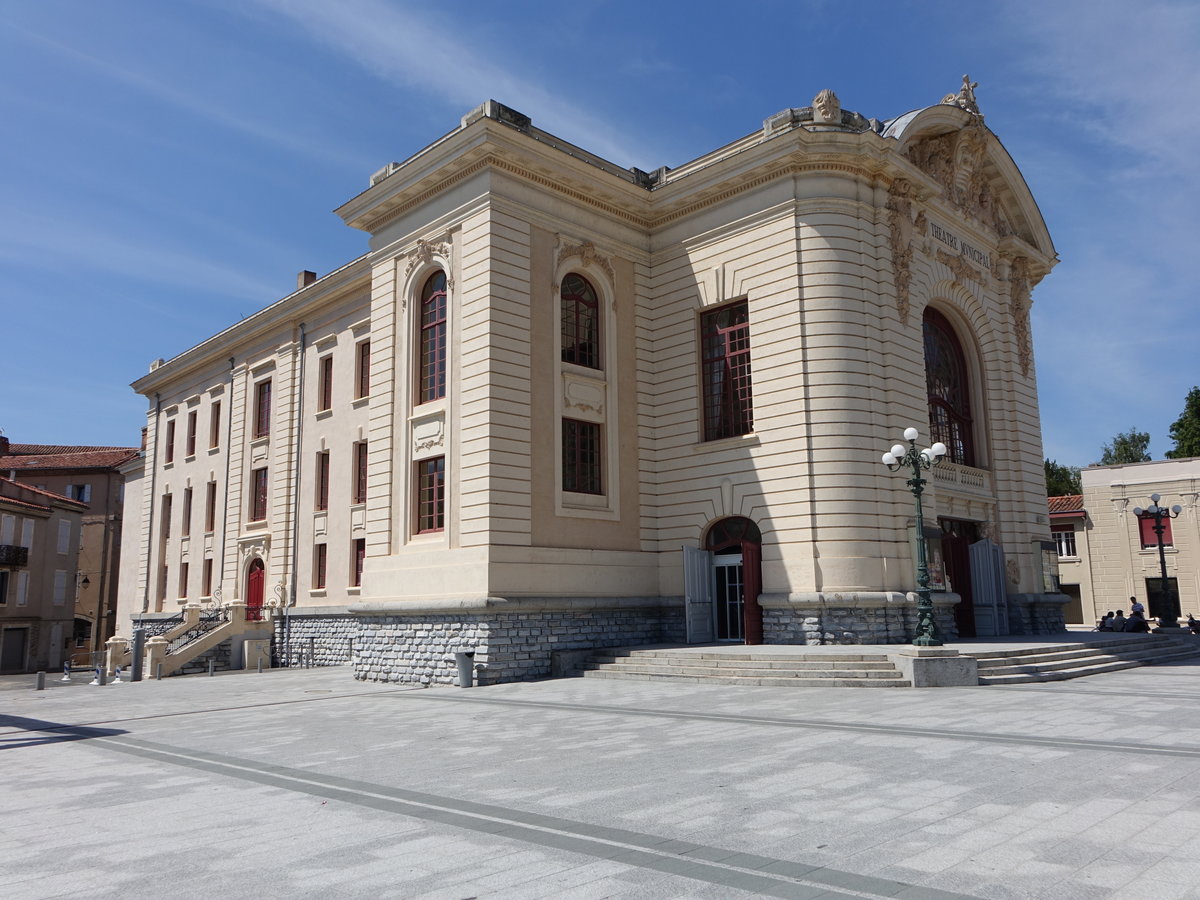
[308,783]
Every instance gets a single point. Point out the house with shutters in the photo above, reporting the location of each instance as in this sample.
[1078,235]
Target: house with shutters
[560,404]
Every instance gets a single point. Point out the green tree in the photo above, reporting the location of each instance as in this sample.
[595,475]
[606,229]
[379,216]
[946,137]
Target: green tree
[1130,446]
[1186,430]
[1062,481]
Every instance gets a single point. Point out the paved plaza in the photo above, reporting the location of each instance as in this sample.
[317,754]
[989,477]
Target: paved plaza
[306,783]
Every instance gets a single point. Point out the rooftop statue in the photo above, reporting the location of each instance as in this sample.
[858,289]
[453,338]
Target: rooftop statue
[827,109]
[965,98]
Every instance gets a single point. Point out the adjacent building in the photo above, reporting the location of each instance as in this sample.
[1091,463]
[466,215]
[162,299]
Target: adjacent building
[40,534]
[1108,553]
[561,404]
[91,476]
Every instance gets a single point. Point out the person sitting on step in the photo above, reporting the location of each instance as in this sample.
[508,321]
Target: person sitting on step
[1136,623]
[1118,622]
[1193,624]
[1106,624]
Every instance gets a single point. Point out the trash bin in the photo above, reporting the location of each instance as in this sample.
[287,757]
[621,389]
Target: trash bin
[466,667]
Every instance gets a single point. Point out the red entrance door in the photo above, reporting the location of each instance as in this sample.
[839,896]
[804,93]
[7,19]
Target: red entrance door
[254,591]
[739,535]
[957,538]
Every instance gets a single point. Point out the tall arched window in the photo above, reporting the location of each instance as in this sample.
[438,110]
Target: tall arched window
[580,309]
[948,389]
[433,338]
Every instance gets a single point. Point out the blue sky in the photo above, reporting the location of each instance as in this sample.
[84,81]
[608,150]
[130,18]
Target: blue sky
[167,168]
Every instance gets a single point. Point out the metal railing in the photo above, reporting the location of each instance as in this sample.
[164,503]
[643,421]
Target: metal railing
[209,619]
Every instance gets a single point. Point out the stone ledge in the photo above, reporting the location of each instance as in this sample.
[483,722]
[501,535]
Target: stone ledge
[483,606]
[852,600]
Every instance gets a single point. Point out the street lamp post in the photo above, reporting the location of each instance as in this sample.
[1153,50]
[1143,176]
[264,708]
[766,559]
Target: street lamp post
[901,457]
[1170,619]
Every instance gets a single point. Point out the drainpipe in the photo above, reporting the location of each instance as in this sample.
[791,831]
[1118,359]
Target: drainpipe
[228,456]
[287,622]
[153,503]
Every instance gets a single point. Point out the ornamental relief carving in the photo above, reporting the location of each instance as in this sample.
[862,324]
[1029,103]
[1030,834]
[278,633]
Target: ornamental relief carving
[587,397]
[962,270]
[423,255]
[1020,299]
[587,254]
[901,230]
[955,161]
[427,435]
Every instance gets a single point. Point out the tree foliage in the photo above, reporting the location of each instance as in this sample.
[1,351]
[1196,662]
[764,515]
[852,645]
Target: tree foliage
[1062,481]
[1185,432]
[1130,446]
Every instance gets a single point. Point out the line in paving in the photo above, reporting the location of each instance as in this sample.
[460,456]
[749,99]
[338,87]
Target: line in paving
[720,866]
[992,737]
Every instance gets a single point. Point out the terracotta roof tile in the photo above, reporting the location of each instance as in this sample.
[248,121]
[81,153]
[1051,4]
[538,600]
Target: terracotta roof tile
[42,492]
[1069,505]
[68,458]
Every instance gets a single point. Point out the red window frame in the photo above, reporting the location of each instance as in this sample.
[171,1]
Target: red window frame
[191,434]
[214,425]
[186,530]
[948,390]
[169,450]
[210,508]
[206,578]
[183,579]
[725,364]
[166,517]
[360,555]
[582,457]
[320,565]
[579,309]
[258,495]
[262,408]
[363,370]
[322,480]
[360,472]
[325,391]
[1149,538]
[433,339]
[431,495]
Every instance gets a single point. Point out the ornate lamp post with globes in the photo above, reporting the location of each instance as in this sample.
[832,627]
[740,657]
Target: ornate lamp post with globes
[1167,617]
[901,457]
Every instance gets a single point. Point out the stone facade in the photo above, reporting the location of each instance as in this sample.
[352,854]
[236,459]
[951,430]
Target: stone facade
[314,638]
[449,428]
[853,620]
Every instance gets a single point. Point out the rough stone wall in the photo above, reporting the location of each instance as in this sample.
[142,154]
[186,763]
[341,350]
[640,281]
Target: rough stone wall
[850,625]
[332,636]
[1027,615]
[507,646]
[221,655]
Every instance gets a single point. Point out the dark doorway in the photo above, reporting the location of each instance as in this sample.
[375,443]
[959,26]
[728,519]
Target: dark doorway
[736,545]
[957,537]
[13,647]
[1162,604]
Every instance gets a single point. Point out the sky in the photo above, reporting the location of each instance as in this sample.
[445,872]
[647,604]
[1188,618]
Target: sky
[167,168]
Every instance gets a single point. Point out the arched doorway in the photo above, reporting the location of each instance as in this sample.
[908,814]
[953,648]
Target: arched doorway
[736,547]
[255,578]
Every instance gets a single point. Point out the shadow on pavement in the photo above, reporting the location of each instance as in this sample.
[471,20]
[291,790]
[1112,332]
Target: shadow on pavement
[50,732]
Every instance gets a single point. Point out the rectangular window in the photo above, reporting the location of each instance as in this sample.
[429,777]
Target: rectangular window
[163,574]
[60,587]
[581,457]
[320,563]
[323,480]
[431,495]
[1064,539]
[206,576]
[22,588]
[359,555]
[8,528]
[183,579]
[325,388]
[27,534]
[214,425]
[169,449]
[210,507]
[64,536]
[166,517]
[80,492]
[360,472]
[725,361]
[4,587]
[364,370]
[1149,538]
[186,529]
[262,408]
[258,496]
[191,434]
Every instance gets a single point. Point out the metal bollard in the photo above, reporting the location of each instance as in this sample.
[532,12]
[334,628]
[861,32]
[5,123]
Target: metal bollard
[312,652]
[102,676]
[466,667]
[158,672]
[66,671]
[41,681]
[211,665]
[260,665]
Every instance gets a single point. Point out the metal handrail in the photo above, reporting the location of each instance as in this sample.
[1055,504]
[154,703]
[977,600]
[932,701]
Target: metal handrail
[208,620]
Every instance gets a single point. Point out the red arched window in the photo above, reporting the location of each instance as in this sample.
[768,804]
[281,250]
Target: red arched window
[948,389]
[433,338]
[580,310]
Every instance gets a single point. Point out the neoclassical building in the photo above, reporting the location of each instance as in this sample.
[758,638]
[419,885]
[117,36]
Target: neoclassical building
[559,404]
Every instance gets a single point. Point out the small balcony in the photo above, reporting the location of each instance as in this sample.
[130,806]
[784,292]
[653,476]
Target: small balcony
[963,479]
[16,557]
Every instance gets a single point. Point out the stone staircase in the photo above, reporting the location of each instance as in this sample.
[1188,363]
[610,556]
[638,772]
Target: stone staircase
[1058,662]
[759,667]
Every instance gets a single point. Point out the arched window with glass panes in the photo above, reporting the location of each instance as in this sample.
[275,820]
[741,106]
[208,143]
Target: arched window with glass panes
[949,389]
[580,314]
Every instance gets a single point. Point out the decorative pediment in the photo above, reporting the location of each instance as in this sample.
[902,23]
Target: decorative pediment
[957,161]
[588,255]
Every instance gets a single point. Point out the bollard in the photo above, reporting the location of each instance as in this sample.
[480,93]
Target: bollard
[66,671]
[312,652]
[466,667]
[211,665]
[139,650]
[101,676]
[260,665]
[41,681]
[117,675]
[158,672]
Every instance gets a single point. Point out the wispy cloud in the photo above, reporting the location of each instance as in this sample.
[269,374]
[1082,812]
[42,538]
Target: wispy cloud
[414,48]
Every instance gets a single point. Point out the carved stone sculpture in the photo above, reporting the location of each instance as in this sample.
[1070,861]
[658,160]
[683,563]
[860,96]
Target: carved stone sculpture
[587,254]
[1020,299]
[965,98]
[956,162]
[900,235]
[827,109]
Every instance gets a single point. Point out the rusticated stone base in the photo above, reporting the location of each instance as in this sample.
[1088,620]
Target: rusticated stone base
[512,640]
[322,636]
[874,617]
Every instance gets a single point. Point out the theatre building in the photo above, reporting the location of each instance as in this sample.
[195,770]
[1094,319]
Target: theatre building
[559,404]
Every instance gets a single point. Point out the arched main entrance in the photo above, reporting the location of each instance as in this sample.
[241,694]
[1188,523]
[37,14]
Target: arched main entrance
[736,547]
[255,578]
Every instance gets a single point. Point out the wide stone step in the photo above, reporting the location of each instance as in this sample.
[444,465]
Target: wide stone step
[732,663]
[1098,664]
[716,672]
[785,658]
[1137,642]
[1143,655]
[1060,674]
[766,681]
